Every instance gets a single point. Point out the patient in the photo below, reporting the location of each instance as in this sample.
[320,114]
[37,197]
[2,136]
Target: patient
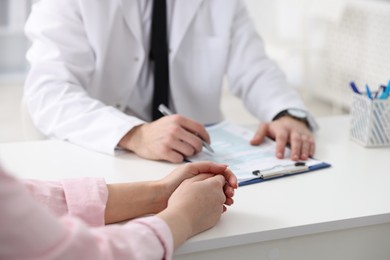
[70,222]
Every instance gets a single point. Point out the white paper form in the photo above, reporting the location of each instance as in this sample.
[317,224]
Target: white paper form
[231,145]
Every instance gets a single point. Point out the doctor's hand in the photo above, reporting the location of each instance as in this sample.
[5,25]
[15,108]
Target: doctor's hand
[170,138]
[287,130]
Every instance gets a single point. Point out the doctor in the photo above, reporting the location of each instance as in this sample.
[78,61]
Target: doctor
[98,69]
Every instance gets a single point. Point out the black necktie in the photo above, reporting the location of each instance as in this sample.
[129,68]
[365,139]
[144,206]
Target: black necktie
[159,56]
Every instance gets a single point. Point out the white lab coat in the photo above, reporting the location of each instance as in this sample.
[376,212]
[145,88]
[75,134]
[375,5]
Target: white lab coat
[86,58]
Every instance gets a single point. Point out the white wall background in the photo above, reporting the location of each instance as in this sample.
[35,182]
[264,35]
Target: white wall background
[292,29]
[324,44]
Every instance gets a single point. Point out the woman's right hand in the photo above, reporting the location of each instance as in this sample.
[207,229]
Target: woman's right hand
[195,206]
[189,170]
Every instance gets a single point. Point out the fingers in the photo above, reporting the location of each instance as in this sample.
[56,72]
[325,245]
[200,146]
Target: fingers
[209,177]
[231,179]
[213,168]
[281,142]
[163,139]
[185,149]
[286,131]
[302,146]
[200,177]
[260,134]
[184,135]
[190,170]
[312,148]
[296,146]
[229,193]
[193,127]
[305,146]
[173,156]
[219,181]
[229,190]
[205,167]
[182,142]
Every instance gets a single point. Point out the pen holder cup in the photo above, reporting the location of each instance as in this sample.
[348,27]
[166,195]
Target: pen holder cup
[370,121]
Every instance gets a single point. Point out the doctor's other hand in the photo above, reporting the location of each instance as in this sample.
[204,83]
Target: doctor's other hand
[195,206]
[170,138]
[287,130]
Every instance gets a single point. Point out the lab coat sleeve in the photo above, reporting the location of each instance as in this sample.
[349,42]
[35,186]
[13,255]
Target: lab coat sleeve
[62,62]
[30,231]
[69,197]
[253,77]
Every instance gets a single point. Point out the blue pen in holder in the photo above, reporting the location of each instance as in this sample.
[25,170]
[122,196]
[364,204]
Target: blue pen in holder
[370,121]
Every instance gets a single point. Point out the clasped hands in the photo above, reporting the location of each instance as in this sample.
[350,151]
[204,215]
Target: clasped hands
[190,199]
[173,138]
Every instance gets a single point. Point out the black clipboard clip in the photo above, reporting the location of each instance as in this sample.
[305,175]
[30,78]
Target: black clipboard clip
[281,170]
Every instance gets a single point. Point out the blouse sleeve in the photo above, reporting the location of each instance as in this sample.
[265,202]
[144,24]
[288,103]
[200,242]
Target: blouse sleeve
[70,197]
[30,231]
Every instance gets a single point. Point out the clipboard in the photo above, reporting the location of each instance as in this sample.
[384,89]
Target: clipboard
[251,164]
[287,171]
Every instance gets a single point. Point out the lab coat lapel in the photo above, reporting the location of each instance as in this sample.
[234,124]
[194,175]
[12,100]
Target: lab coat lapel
[184,12]
[131,13]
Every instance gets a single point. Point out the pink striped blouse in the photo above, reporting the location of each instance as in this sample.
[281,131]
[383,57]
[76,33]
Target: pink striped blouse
[69,223]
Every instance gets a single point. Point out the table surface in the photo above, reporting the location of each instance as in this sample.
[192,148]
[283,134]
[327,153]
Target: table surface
[354,192]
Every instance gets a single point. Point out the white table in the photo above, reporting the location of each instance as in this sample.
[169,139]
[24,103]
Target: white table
[342,212]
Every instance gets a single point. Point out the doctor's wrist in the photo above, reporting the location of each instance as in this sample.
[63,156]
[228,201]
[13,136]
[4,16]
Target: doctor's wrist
[128,142]
[296,114]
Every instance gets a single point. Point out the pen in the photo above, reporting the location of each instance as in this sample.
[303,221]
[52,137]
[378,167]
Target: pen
[354,87]
[166,112]
[386,92]
[369,95]
[379,92]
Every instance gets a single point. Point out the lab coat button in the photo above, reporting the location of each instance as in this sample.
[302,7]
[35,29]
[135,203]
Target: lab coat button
[136,59]
[118,106]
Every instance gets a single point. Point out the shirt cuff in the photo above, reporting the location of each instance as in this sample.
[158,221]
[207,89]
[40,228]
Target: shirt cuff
[162,231]
[87,198]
